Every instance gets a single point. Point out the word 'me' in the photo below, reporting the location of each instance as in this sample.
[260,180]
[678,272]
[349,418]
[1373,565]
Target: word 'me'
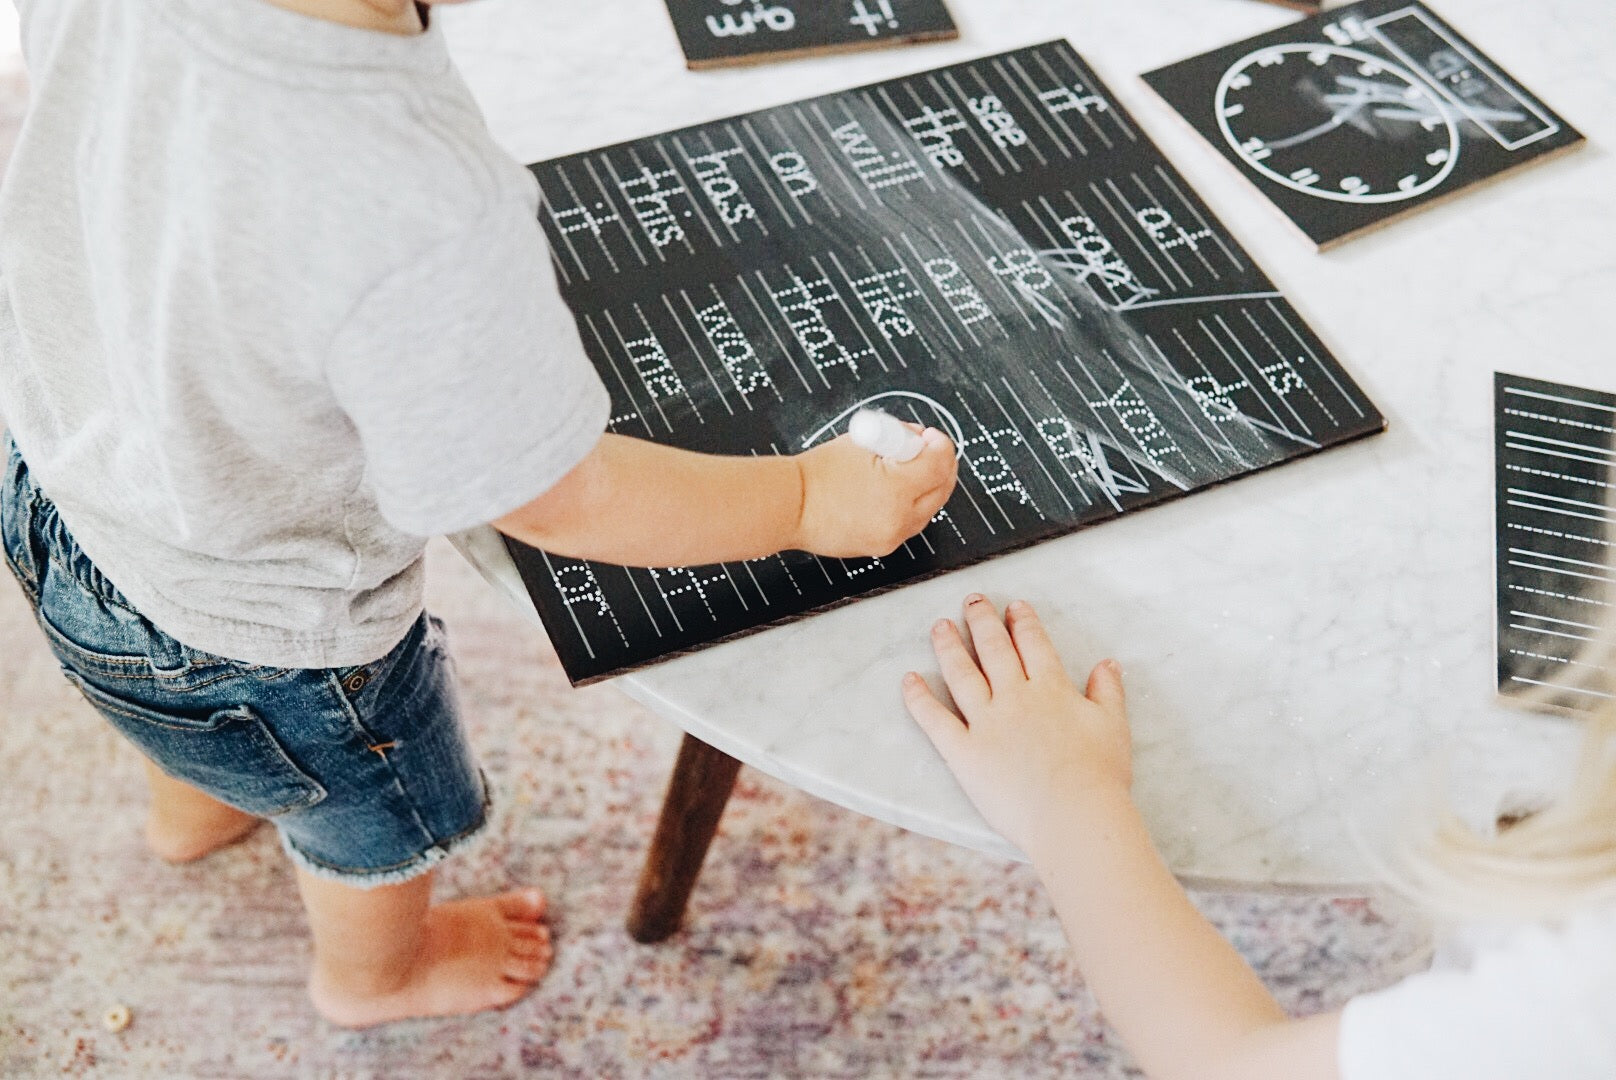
[650,359]
[875,167]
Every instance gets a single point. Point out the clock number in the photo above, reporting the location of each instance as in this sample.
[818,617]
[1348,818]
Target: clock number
[1319,57]
[1271,59]
[1354,185]
[1437,156]
[1255,149]
[1240,81]
[1305,176]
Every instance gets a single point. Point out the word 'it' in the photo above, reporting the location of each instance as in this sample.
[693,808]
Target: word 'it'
[874,20]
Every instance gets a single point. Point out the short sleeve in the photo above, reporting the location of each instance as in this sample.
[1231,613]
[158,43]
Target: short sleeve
[1542,1005]
[465,379]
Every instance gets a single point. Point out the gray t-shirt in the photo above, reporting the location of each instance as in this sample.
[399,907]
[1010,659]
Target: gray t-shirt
[273,309]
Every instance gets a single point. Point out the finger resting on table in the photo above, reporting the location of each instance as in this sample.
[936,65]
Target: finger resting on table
[994,649]
[960,671]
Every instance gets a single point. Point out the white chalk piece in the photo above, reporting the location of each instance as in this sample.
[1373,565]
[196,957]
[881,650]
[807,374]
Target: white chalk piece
[885,435]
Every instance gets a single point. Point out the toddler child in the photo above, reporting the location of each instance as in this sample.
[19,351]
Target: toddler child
[273,309]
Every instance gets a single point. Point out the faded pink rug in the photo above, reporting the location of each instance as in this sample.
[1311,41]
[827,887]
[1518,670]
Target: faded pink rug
[820,943]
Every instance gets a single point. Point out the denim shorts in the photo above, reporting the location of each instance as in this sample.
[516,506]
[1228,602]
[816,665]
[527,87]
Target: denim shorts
[364,770]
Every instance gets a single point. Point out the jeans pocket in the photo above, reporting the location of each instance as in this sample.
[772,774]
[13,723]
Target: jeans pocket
[228,753]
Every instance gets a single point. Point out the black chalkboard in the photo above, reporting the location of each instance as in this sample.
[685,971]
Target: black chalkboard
[1555,465]
[719,32]
[992,248]
[1355,117]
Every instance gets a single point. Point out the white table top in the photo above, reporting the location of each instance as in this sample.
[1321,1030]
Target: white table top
[1302,646]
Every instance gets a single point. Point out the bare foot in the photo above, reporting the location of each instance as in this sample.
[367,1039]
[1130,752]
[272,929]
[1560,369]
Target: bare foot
[475,955]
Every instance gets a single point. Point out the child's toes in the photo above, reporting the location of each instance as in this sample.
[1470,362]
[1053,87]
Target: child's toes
[530,947]
[526,969]
[523,905]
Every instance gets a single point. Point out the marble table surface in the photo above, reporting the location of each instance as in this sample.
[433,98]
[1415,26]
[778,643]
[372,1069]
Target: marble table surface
[1306,648]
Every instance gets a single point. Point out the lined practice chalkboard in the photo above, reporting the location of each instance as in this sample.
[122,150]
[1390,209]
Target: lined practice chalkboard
[992,248]
[1555,463]
[714,33]
[1361,114]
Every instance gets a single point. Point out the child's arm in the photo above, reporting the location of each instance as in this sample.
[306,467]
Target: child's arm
[637,503]
[1049,767]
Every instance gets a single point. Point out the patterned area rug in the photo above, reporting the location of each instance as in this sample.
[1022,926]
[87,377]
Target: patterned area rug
[819,943]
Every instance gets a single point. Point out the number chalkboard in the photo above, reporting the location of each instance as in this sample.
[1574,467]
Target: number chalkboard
[1357,116]
[719,32]
[1555,462]
[992,248]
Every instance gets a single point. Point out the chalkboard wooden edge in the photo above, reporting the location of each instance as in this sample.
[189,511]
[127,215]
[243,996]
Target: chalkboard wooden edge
[1170,496]
[1464,189]
[1328,243]
[921,37]
[1306,7]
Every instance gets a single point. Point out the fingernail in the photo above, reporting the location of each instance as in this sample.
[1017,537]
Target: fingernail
[1116,668]
[1020,605]
[975,598]
[939,626]
[910,678]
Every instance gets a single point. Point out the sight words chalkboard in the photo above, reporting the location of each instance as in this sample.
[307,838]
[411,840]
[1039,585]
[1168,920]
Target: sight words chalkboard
[1359,115]
[715,33]
[992,248]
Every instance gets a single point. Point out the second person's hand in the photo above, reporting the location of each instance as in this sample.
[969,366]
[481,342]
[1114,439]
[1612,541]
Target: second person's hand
[1026,744]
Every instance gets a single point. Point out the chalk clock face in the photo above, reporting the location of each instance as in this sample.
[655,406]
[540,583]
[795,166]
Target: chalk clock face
[1337,123]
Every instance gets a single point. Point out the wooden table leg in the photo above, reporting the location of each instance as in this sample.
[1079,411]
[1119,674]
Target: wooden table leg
[697,792]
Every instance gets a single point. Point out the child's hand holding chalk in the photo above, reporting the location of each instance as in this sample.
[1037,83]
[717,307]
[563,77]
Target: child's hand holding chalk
[856,505]
[885,436]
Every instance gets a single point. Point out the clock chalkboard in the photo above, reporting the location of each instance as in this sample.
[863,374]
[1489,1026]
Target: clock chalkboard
[1555,463]
[715,33]
[1352,118]
[993,248]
